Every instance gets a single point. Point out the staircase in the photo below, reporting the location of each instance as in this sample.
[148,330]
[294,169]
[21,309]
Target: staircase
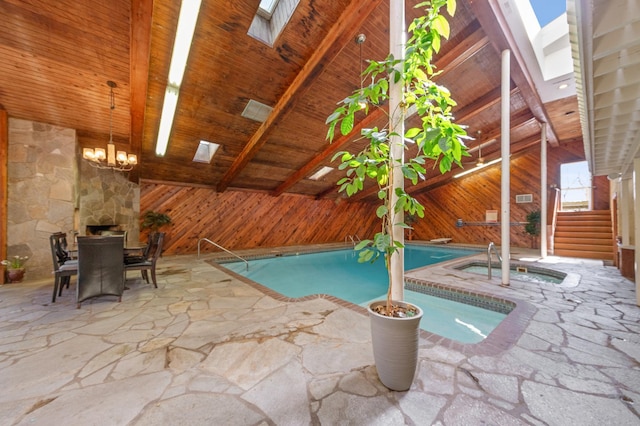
[584,234]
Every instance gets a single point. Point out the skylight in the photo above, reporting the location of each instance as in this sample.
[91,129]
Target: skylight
[205,152]
[267,7]
[320,173]
[548,10]
[270,19]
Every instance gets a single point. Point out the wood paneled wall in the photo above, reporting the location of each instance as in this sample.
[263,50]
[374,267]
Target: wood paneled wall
[468,199]
[244,220]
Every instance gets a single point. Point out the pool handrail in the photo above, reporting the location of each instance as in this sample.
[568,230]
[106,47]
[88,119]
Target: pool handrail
[353,239]
[221,248]
[495,250]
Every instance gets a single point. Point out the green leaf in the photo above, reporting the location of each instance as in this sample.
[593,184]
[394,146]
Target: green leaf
[336,114]
[451,7]
[412,133]
[381,210]
[362,244]
[441,25]
[346,125]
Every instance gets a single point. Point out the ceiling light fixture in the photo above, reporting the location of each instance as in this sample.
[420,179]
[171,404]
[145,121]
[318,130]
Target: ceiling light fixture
[187,19]
[110,159]
[360,39]
[478,167]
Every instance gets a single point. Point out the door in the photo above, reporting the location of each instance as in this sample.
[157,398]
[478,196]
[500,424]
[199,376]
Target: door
[575,187]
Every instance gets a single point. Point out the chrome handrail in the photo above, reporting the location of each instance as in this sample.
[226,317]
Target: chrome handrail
[495,250]
[221,248]
[353,239]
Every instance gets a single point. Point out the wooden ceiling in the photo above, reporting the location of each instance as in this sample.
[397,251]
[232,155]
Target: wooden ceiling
[56,56]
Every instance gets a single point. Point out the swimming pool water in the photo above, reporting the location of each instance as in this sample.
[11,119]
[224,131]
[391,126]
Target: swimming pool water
[529,276]
[339,274]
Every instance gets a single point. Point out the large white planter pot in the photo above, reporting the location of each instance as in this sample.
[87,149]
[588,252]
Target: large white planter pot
[395,347]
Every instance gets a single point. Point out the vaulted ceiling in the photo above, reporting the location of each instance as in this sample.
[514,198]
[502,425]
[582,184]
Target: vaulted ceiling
[57,55]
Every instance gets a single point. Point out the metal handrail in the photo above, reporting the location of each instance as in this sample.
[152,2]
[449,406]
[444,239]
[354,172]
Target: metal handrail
[495,250]
[554,220]
[221,248]
[353,239]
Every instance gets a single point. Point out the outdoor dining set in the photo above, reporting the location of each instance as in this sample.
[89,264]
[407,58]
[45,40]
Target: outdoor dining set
[101,263]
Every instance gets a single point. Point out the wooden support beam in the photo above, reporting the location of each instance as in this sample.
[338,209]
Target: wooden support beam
[340,34]
[494,24]
[481,104]
[141,17]
[4,183]
[523,118]
[330,150]
[519,148]
[455,57]
[463,51]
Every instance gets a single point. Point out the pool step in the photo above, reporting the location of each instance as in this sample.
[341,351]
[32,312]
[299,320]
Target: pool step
[584,234]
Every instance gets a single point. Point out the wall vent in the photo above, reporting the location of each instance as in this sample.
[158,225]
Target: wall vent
[524,198]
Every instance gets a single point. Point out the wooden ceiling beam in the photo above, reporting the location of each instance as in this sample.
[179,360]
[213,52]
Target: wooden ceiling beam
[452,59]
[340,34]
[481,104]
[463,50]
[523,118]
[141,18]
[495,25]
[519,148]
[330,150]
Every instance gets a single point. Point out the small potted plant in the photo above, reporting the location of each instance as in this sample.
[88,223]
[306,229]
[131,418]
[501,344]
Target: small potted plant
[394,323]
[532,227]
[15,268]
[155,220]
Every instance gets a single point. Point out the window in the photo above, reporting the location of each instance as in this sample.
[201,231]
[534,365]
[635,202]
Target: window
[575,184]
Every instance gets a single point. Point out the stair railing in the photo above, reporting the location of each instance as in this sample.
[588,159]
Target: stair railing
[554,220]
[221,248]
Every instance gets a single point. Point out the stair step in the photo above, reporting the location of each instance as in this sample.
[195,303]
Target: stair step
[583,254]
[576,245]
[586,243]
[572,223]
[595,231]
[584,234]
[586,213]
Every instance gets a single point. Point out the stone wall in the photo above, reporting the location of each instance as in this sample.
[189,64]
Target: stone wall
[41,182]
[106,197]
[51,190]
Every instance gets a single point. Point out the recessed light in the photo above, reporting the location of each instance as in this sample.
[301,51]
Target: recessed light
[563,86]
[320,173]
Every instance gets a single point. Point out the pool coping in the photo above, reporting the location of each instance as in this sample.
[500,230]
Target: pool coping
[503,337]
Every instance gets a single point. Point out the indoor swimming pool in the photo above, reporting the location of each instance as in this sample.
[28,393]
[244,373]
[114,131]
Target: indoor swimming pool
[339,274]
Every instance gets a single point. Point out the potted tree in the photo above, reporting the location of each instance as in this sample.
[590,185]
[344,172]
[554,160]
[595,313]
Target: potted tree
[394,323]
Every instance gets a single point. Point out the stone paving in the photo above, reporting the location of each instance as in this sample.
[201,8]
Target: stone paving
[206,348]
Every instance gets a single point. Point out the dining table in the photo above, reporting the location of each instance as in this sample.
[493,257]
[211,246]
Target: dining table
[130,249]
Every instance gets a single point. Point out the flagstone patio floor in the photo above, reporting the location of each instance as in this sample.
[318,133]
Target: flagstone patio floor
[207,348]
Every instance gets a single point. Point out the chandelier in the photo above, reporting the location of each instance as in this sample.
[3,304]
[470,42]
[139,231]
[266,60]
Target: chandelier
[110,159]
